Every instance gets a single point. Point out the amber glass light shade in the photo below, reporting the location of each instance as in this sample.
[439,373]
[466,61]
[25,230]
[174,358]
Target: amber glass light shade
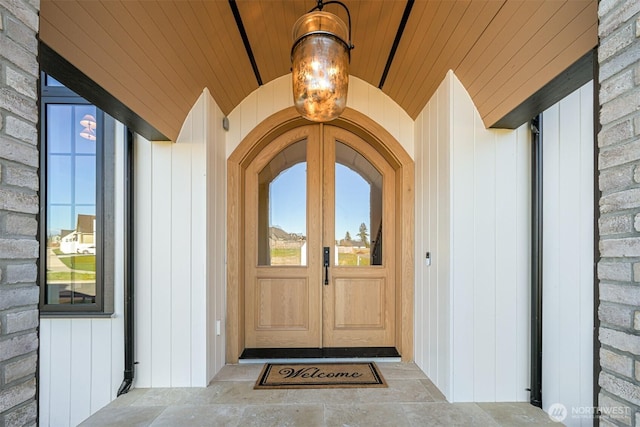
[320,66]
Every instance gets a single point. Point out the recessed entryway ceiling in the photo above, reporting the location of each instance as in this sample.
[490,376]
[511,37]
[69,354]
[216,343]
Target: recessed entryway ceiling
[156,56]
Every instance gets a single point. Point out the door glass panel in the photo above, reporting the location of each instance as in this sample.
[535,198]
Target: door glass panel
[358,220]
[282,208]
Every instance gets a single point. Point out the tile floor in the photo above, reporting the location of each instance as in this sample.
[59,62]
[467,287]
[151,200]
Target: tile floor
[410,400]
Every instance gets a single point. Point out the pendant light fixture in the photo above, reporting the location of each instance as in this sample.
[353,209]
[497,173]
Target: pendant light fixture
[320,59]
[89,124]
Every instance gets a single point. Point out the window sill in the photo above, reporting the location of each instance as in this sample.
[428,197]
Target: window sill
[71,315]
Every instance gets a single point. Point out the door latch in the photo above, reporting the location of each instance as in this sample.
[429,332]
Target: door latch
[327,259]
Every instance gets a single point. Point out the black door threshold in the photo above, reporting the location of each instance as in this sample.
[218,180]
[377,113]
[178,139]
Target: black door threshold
[318,353]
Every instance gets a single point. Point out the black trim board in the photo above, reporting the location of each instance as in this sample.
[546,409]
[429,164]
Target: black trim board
[307,353]
[245,40]
[579,73]
[396,41]
[67,74]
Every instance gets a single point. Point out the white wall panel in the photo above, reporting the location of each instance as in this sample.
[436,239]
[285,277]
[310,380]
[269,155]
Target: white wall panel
[512,259]
[44,377]
[472,214]
[181,238]
[568,188]
[197,263]
[79,363]
[180,273]
[60,377]
[464,251]
[161,249]
[81,367]
[101,355]
[523,268]
[143,260]
[432,295]
[80,391]
[278,95]
[487,210]
[443,232]
[217,218]
[82,360]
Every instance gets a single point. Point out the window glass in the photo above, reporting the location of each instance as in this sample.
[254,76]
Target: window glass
[71,172]
[50,81]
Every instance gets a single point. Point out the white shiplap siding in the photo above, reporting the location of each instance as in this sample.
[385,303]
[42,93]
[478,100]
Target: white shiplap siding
[432,293]
[472,214]
[568,239]
[216,214]
[180,193]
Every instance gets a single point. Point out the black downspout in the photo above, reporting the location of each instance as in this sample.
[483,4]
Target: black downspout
[129,364]
[536,264]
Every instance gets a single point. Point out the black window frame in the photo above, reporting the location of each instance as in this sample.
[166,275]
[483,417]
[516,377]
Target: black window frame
[105,206]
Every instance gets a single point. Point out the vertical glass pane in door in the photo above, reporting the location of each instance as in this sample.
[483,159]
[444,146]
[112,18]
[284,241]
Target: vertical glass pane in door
[282,208]
[358,216]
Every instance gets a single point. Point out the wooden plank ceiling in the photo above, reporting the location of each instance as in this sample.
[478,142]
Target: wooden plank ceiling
[156,56]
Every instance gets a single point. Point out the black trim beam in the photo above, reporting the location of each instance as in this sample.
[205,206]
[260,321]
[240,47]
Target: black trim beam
[67,74]
[396,41]
[578,74]
[245,40]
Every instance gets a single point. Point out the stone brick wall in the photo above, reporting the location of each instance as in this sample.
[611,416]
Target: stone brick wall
[619,166]
[18,212]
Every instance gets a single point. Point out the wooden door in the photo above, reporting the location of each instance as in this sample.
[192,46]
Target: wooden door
[359,301]
[294,208]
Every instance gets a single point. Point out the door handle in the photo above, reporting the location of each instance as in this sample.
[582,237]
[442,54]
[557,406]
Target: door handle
[326,254]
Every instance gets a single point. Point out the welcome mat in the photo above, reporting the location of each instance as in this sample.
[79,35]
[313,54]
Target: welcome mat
[320,375]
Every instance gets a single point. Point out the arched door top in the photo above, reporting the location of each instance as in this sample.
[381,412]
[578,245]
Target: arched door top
[351,120]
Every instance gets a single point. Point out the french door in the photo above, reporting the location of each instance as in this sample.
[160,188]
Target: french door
[319,233]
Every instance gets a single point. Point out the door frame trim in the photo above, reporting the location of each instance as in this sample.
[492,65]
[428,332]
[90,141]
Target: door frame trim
[361,125]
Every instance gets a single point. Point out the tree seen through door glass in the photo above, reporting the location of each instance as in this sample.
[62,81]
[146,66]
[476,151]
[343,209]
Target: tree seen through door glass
[358,216]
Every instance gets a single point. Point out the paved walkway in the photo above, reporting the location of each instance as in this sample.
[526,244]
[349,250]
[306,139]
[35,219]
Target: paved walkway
[410,400]
[54,263]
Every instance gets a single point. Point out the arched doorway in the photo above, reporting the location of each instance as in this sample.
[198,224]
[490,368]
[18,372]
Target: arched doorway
[282,291]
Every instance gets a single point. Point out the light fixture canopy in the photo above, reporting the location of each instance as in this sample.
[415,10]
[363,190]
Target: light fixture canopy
[320,59]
